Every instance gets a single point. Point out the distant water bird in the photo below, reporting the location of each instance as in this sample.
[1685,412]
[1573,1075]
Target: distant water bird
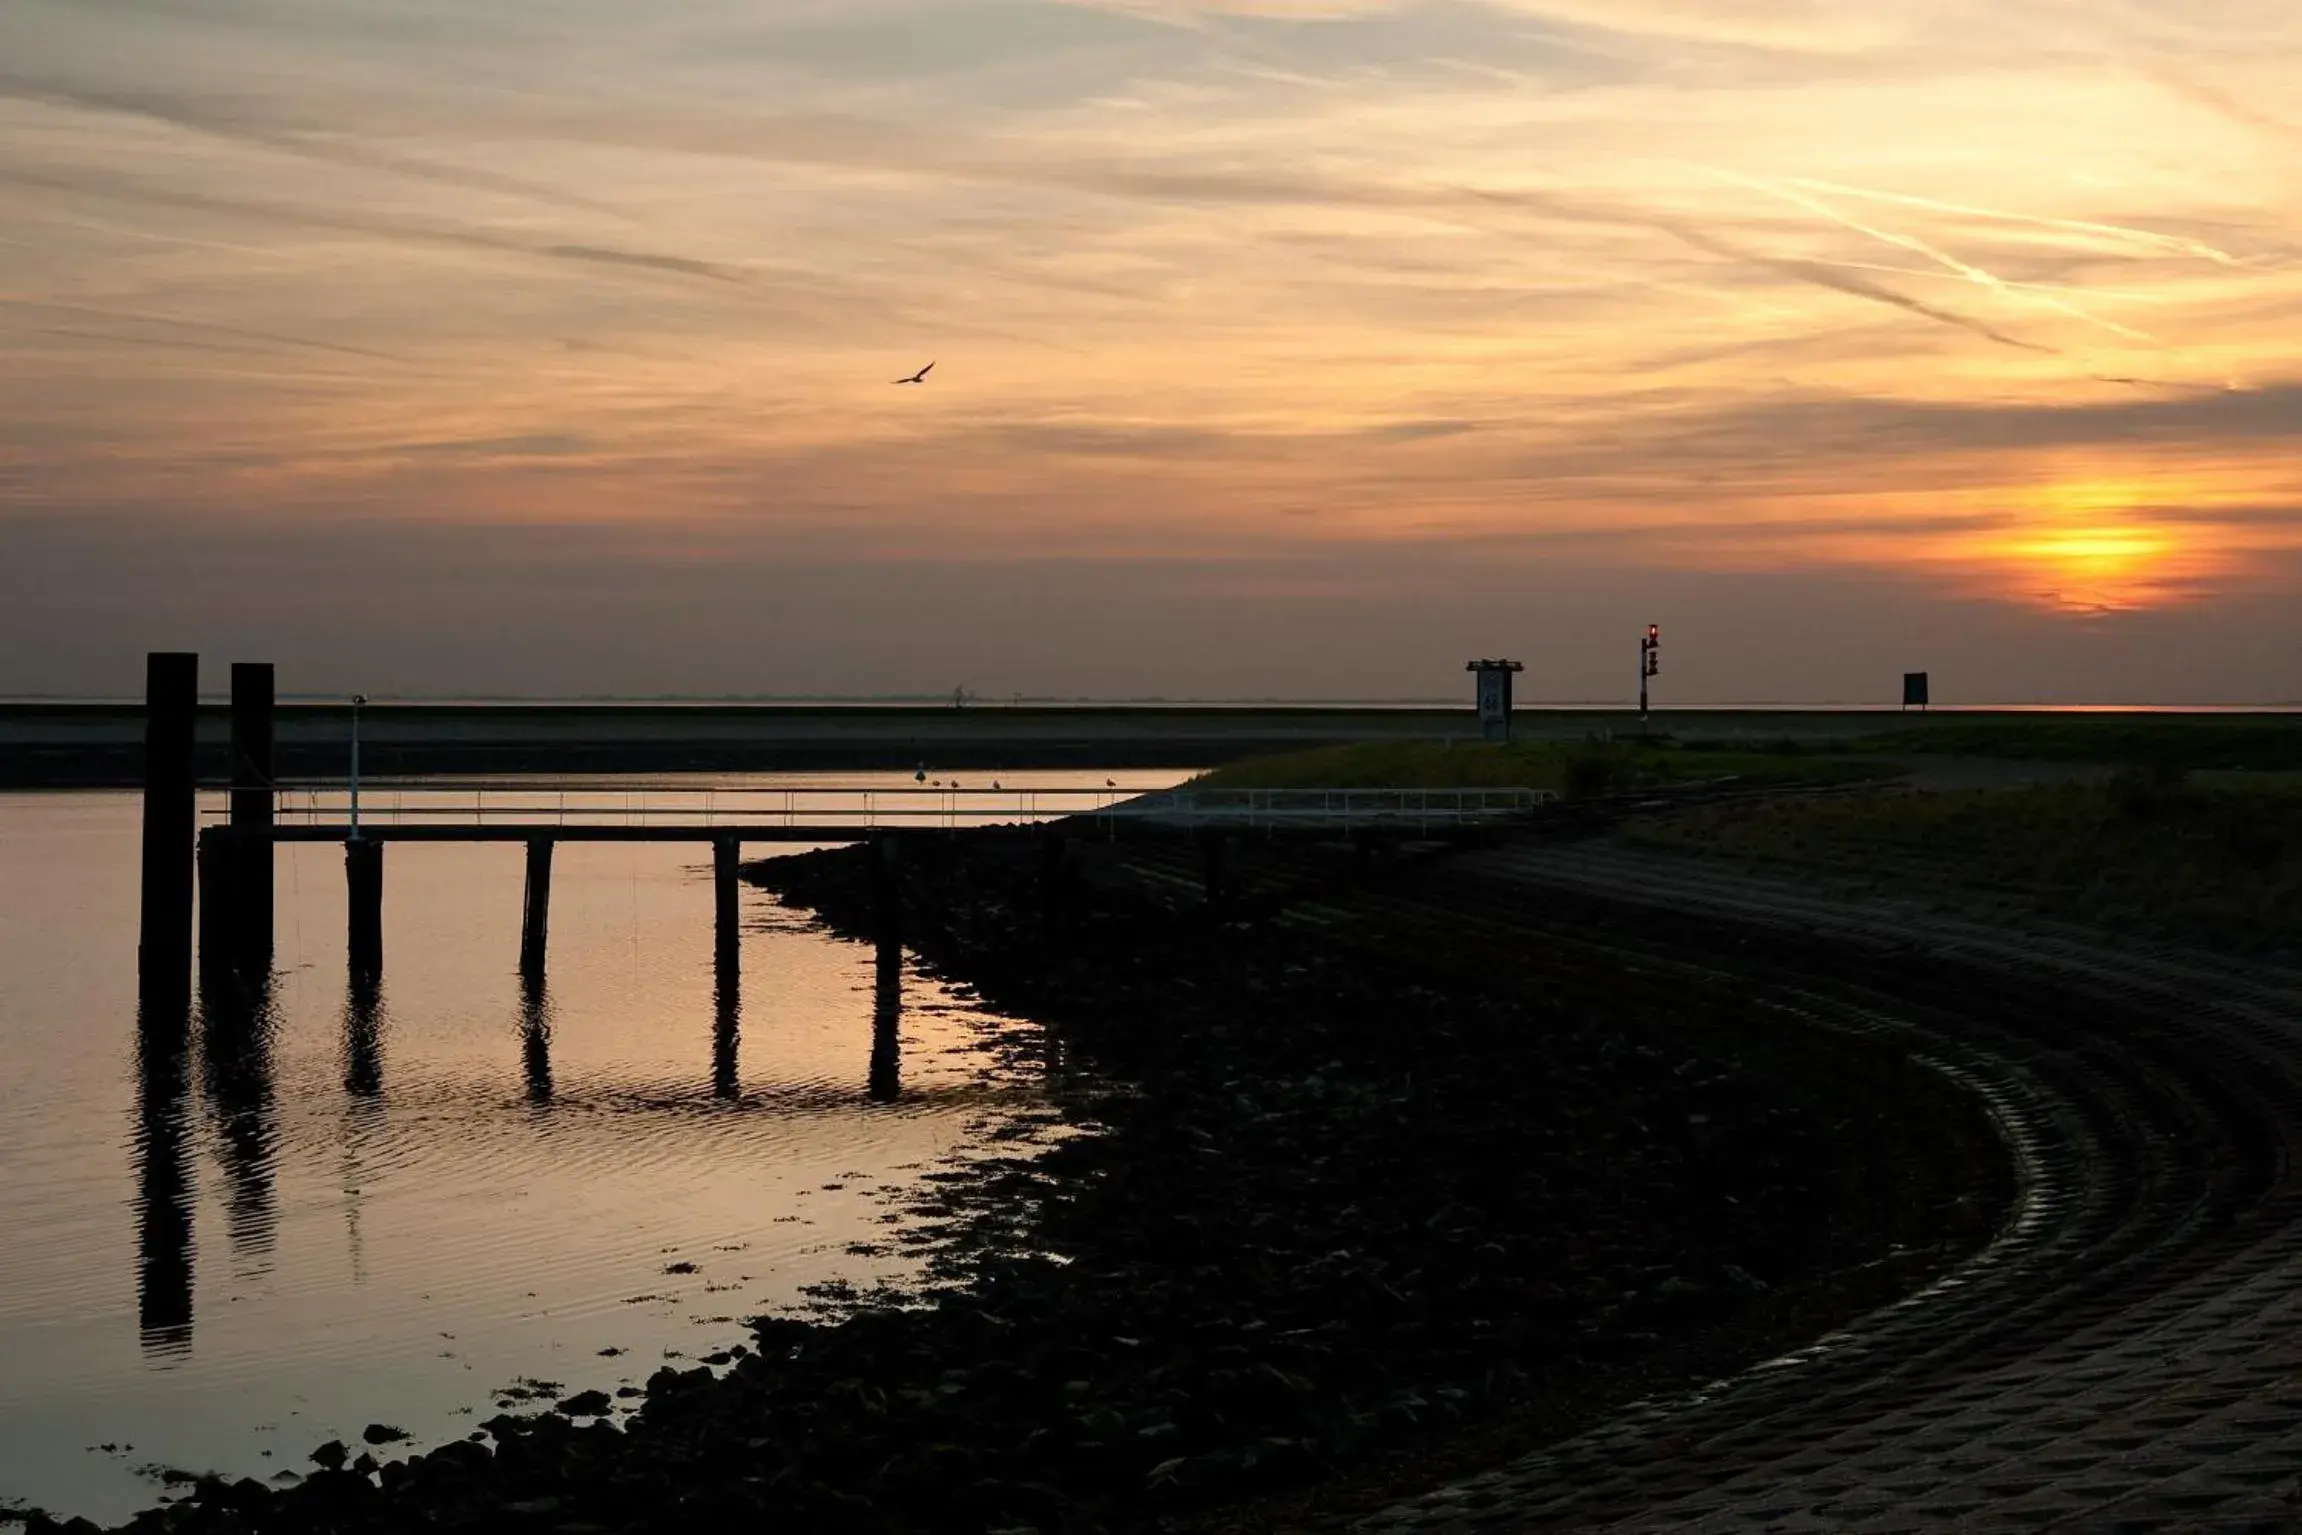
[994,783]
[917,378]
[921,775]
[1108,784]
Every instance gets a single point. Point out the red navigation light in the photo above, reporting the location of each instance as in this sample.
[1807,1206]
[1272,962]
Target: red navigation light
[1654,632]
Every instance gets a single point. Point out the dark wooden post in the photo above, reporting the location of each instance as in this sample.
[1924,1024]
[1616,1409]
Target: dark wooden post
[887,881]
[1215,866]
[1054,877]
[164,943]
[536,910]
[252,814]
[726,853]
[364,882]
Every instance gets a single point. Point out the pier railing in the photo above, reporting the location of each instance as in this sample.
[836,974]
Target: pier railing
[501,805]
[1399,809]
[671,805]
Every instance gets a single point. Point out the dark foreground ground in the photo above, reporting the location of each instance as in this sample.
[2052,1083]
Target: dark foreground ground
[1364,1203]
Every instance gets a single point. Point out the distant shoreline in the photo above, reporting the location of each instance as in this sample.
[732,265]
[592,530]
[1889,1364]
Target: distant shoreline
[59,745]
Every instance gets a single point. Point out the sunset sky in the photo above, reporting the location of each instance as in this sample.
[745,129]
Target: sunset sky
[1282,348]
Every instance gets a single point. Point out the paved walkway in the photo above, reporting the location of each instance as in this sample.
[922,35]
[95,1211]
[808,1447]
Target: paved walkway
[2126,1354]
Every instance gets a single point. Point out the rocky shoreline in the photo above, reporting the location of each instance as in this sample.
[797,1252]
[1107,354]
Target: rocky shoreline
[1350,1212]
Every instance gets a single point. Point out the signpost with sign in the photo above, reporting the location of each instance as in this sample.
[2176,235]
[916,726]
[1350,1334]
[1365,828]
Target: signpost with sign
[1494,697]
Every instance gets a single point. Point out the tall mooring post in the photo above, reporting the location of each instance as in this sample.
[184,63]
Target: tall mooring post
[536,910]
[253,803]
[164,940]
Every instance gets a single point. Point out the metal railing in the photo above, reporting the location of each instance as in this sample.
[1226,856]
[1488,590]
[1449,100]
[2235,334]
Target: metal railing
[434,801]
[486,802]
[1421,808]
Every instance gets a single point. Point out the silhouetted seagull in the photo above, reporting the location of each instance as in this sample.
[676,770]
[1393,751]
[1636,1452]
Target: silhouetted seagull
[917,378]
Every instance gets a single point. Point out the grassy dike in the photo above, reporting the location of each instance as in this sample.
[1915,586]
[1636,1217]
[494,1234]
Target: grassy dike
[2215,861]
[1567,768]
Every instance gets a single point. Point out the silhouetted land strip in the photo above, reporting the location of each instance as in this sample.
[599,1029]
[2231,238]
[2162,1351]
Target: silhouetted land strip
[96,745]
[1367,1198]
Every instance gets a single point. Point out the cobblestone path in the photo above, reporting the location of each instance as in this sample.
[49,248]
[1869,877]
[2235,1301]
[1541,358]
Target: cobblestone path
[2126,1355]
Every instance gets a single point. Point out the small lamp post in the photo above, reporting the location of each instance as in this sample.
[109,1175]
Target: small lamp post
[357,700]
[1650,645]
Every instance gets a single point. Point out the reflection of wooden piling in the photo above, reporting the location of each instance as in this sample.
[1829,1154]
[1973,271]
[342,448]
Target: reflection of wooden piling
[726,854]
[536,909]
[364,883]
[164,944]
[363,1041]
[250,858]
[726,1026]
[886,1081]
[164,1191]
[536,1039]
[219,970]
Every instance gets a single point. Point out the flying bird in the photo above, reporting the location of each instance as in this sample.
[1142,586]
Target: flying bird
[917,378]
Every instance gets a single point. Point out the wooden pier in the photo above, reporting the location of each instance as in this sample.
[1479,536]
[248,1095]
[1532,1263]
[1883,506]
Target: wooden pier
[232,860]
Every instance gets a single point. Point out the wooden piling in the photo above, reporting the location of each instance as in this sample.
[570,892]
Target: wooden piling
[164,942]
[364,883]
[726,854]
[1214,863]
[887,882]
[536,909]
[1054,877]
[251,854]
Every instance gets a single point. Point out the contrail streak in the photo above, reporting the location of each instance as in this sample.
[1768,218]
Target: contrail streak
[2177,244]
[1972,273]
[239,332]
[1848,283]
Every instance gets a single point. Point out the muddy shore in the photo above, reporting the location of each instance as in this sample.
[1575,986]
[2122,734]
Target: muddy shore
[1353,1209]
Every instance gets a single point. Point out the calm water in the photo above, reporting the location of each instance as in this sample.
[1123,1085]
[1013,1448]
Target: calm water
[350,1214]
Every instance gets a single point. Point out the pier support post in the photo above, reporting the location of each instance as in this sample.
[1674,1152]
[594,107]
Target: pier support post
[726,853]
[1215,866]
[364,882]
[164,942]
[1054,877]
[536,910]
[251,854]
[887,882]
